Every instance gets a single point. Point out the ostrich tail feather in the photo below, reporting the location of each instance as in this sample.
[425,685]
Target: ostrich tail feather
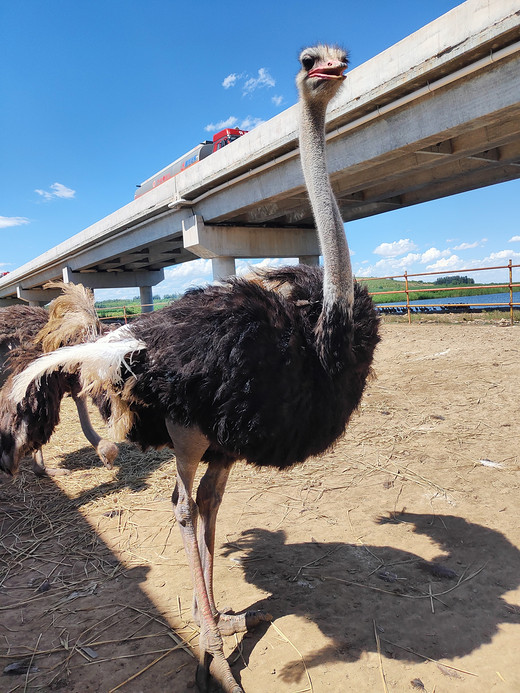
[72,318]
[97,362]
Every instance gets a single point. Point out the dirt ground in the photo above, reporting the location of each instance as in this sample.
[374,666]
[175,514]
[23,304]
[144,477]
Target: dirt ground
[392,563]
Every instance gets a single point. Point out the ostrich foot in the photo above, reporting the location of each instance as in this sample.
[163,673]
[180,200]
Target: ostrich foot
[229,623]
[213,673]
[42,472]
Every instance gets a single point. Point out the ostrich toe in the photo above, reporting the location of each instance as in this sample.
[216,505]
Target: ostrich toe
[228,624]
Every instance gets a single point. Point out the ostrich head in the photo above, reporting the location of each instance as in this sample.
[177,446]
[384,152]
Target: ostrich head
[322,71]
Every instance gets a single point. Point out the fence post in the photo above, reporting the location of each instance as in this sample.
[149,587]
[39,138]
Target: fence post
[124,315]
[407,297]
[511,292]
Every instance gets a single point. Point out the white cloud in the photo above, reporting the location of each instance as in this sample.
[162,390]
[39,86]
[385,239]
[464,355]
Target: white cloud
[184,276]
[389,266]
[446,263]
[277,100]
[502,256]
[263,79]
[514,239]
[395,248]
[5,222]
[57,190]
[469,246]
[231,122]
[230,80]
[466,246]
[430,255]
[247,123]
[250,84]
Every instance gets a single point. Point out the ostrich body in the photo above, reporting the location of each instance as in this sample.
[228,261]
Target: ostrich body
[242,371]
[25,333]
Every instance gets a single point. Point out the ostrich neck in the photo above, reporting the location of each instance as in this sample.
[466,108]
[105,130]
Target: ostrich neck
[337,276]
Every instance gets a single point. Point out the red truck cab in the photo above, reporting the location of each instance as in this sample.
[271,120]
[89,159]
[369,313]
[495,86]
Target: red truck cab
[226,137]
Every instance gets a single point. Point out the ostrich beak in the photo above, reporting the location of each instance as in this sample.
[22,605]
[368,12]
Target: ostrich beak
[330,70]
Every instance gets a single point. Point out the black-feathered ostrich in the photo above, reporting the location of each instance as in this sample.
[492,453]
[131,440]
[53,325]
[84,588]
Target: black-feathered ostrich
[25,333]
[241,371]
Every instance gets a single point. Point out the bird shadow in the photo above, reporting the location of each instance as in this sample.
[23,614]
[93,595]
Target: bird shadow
[365,597]
[132,469]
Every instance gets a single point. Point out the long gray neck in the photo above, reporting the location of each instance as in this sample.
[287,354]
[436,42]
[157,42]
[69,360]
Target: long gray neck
[338,287]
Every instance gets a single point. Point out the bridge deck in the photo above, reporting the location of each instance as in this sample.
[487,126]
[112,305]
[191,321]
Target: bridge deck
[436,114]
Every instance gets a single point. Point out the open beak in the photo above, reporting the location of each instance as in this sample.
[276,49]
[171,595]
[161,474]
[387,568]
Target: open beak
[330,70]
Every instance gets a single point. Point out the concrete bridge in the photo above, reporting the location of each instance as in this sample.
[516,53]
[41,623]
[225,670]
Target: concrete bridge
[436,114]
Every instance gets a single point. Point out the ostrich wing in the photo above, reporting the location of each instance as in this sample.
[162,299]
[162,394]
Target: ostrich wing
[100,360]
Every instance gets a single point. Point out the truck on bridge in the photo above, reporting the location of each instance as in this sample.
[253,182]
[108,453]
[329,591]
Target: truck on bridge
[201,151]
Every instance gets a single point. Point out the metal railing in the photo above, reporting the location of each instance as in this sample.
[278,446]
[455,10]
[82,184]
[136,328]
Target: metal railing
[407,290]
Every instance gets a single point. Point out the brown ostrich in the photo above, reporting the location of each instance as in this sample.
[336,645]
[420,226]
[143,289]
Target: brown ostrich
[240,371]
[25,333]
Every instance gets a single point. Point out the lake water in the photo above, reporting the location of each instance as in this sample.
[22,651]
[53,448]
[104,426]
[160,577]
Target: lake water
[466,300]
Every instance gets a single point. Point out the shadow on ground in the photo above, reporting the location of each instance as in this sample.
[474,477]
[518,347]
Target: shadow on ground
[379,589]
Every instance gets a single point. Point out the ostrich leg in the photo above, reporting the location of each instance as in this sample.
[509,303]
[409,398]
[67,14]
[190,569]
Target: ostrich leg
[190,445]
[106,450]
[38,465]
[209,497]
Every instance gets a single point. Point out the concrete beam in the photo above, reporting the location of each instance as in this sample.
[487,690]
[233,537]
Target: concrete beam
[111,280]
[37,297]
[4,302]
[248,241]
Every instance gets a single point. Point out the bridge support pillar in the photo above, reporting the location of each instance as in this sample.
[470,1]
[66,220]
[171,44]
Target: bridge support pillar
[312,260]
[223,267]
[146,296]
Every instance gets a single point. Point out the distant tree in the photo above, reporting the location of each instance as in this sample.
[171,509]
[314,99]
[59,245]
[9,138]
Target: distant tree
[454,280]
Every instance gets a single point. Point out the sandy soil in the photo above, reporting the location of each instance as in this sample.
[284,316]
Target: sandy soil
[392,563]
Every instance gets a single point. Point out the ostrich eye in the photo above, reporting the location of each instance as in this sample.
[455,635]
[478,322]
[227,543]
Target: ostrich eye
[307,61]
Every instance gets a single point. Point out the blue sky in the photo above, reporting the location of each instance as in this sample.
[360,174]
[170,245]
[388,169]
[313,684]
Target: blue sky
[98,95]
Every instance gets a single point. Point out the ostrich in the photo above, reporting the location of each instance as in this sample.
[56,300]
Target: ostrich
[26,332]
[19,324]
[241,371]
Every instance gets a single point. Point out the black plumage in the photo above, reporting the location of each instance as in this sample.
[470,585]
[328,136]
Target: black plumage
[241,363]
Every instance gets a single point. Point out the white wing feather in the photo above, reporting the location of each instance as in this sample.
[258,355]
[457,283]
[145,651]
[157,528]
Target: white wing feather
[100,360]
